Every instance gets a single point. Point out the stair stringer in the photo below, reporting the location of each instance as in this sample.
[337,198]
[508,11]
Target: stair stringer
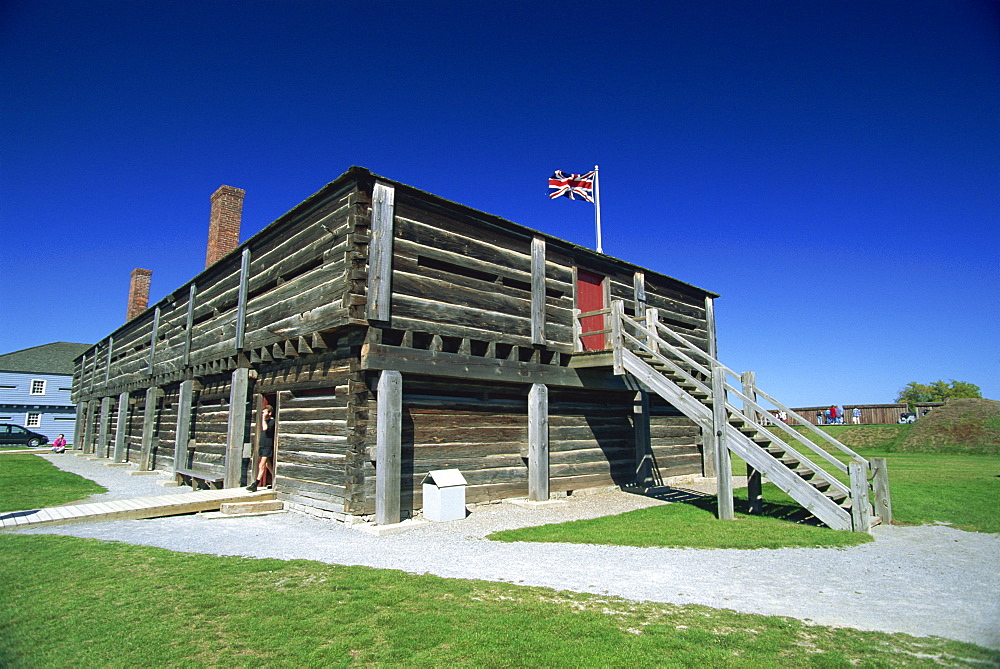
[824,508]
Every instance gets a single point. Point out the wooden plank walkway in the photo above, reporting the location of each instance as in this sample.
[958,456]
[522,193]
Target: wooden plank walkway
[139,507]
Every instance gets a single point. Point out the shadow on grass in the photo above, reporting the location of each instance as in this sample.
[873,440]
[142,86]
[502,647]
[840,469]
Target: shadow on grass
[788,511]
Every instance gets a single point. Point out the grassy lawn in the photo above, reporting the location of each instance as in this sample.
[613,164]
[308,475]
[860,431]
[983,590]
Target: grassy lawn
[963,490]
[694,525]
[139,606]
[30,482]
[960,489]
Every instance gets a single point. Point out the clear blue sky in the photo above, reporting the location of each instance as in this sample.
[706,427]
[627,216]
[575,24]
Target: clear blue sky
[831,168]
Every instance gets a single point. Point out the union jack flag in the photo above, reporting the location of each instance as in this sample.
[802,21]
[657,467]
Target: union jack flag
[570,184]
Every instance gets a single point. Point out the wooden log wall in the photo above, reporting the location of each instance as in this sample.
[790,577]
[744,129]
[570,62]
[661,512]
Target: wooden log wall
[460,278]
[108,449]
[295,284]
[321,423]
[165,429]
[482,430]
[312,437]
[209,426]
[133,439]
[675,439]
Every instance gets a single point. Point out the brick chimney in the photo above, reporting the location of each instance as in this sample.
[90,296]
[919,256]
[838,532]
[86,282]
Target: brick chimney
[138,292]
[224,223]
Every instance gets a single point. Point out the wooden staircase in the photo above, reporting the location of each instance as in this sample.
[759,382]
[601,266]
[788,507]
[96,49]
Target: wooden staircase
[839,493]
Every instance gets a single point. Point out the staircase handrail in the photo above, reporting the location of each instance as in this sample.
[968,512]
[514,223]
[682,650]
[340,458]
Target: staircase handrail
[673,365]
[667,345]
[787,429]
[812,428]
[691,347]
[658,327]
[826,476]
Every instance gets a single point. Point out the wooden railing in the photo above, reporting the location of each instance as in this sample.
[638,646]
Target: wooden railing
[704,374]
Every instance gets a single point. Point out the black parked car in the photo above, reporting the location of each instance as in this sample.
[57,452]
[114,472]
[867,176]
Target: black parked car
[15,434]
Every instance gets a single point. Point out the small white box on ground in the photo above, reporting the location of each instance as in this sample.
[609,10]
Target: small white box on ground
[444,495]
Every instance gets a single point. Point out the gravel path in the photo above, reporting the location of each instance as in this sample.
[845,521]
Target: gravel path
[928,580]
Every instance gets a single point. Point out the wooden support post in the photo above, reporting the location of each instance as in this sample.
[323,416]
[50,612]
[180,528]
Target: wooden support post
[709,445]
[639,294]
[617,340]
[102,431]
[860,506]
[185,402]
[538,443]
[538,291]
[643,444]
[78,427]
[88,431]
[755,491]
[236,431]
[652,319]
[148,428]
[241,300]
[380,253]
[880,490]
[121,427]
[577,332]
[713,349]
[107,364]
[189,323]
[153,336]
[93,370]
[724,468]
[388,447]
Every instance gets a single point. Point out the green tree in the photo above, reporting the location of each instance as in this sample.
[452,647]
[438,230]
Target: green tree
[937,391]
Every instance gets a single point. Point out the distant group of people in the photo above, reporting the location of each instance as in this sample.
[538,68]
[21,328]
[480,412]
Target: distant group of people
[835,416]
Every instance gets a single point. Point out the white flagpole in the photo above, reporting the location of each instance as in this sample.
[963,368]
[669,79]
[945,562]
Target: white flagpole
[597,209]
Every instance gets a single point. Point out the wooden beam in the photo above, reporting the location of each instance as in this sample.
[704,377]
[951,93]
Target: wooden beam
[185,402]
[153,337]
[88,434]
[538,291]
[148,427]
[102,432]
[639,293]
[78,427]
[755,491]
[236,430]
[538,443]
[318,343]
[107,364]
[415,361]
[241,300]
[860,507]
[724,468]
[93,370]
[643,443]
[388,447]
[713,349]
[880,490]
[380,253]
[189,323]
[121,426]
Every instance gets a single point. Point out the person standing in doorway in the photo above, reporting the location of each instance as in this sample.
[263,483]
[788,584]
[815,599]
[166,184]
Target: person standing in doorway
[265,464]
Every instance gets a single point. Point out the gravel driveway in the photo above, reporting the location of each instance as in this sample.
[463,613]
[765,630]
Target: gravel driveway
[928,580]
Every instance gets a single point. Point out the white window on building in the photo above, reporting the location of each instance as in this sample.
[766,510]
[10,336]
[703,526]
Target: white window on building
[34,419]
[38,386]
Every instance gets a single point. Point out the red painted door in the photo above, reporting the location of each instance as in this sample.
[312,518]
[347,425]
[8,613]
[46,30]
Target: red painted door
[590,297]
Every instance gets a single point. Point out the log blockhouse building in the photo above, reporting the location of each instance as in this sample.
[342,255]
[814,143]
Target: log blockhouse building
[395,333]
